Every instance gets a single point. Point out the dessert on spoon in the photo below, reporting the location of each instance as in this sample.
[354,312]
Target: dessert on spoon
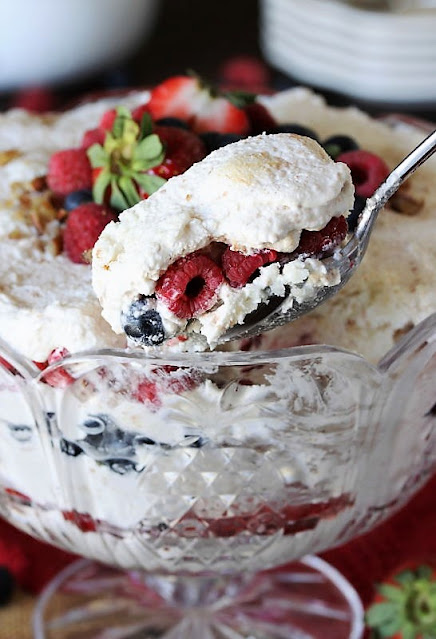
[250,222]
[246,240]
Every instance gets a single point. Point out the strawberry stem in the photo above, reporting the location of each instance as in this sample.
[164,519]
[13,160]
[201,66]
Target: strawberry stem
[408,606]
[129,151]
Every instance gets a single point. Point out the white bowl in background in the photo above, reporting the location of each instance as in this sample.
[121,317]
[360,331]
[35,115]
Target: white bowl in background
[378,56]
[57,41]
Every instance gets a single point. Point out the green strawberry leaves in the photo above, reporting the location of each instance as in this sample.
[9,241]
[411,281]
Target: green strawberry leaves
[129,151]
[407,607]
[240,99]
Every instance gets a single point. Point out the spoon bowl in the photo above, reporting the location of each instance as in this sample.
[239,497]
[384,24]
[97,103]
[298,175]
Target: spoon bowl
[345,260]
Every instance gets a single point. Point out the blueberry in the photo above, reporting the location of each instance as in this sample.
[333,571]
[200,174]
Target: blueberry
[70,448]
[337,144]
[21,432]
[214,140]
[94,425]
[120,466]
[359,205]
[294,128]
[196,441]
[143,323]
[173,122]
[76,198]
[6,585]
[144,440]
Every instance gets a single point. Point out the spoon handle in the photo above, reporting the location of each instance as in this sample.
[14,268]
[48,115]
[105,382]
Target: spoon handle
[394,180]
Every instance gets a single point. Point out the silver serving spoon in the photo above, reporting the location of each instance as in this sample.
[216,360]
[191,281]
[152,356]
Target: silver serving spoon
[346,260]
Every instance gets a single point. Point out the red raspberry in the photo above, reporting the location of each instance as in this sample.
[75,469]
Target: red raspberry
[238,268]
[316,242]
[69,171]
[139,112]
[165,380]
[16,495]
[92,136]
[5,364]
[107,120]
[188,287]
[59,378]
[35,100]
[83,521]
[182,149]
[367,170]
[260,118]
[245,72]
[146,392]
[83,227]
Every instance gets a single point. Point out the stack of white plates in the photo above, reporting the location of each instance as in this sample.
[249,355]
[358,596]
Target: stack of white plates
[378,56]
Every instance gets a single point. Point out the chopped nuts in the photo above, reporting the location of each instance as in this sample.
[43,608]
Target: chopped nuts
[39,183]
[405,203]
[400,332]
[35,204]
[8,155]
[54,246]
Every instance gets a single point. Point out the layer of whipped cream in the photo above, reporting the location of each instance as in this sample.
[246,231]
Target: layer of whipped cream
[258,193]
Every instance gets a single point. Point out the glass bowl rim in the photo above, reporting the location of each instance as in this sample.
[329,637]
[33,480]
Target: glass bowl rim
[205,359]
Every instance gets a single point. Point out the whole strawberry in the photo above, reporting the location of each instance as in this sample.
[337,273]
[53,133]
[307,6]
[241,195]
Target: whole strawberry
[136,159]
[182,149]
[405,604]
[82,230]
[69,171]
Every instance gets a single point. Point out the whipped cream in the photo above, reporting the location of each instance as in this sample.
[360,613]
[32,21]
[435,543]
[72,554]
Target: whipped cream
[259,438]
[258,193]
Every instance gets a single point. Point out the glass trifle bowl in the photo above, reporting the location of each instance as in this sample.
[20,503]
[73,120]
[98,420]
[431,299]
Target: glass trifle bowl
[190,480]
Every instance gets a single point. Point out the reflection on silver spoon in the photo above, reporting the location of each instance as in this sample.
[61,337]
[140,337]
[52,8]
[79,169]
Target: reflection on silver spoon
[345,261]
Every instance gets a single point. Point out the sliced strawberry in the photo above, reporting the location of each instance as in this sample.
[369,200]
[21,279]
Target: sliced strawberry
[189,286]
[190,100]
[219,114]
[238,268]
[174,97]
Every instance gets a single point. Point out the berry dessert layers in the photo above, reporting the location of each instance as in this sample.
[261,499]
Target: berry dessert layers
[138,461]
[212,244]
